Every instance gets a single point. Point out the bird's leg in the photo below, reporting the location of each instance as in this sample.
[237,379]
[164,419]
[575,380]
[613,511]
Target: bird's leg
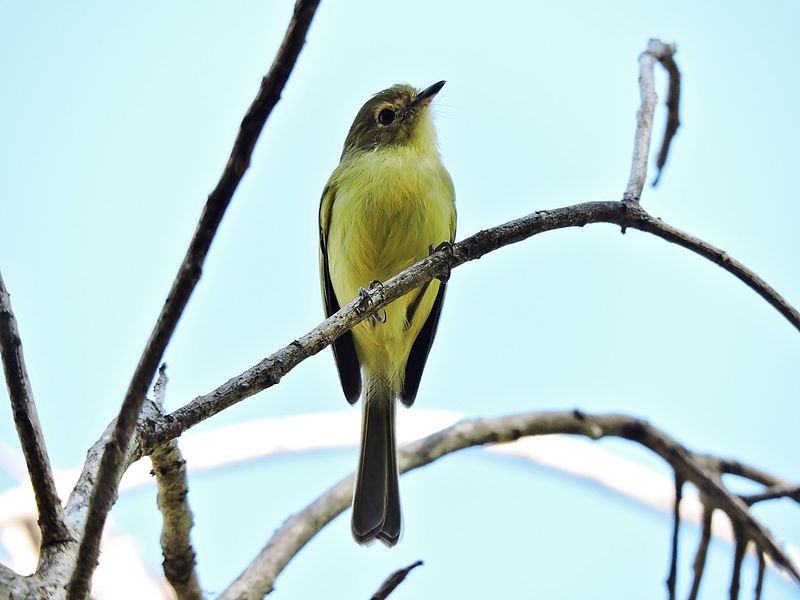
[444,247]
[365,300]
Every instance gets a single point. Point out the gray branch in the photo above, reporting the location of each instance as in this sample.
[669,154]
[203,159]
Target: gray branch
[29,429]
[112,465]
[657,51]
[774,493]
[667,60]
[11,584]
[270,370]
[169,468]
[259,577]
[57,563]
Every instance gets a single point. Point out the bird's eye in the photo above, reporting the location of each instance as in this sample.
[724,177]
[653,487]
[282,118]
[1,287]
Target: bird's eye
[386,116]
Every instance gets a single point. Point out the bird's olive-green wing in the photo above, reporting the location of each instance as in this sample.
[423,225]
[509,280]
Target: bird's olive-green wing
[344,350]
[420,350]
[422,345]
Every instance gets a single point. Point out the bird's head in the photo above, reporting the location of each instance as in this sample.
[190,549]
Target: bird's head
[397,116]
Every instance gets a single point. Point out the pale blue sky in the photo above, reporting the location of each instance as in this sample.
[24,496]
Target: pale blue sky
[117,120]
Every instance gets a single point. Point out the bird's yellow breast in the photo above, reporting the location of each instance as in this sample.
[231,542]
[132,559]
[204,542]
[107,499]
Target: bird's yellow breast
[390,207]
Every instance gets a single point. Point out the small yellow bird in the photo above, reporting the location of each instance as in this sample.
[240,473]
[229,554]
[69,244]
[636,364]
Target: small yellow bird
[386,206]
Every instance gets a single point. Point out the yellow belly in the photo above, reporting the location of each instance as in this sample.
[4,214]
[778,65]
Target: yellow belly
[390,208]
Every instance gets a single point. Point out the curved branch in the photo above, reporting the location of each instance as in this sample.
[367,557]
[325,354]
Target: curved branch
[673,110]
[112,465]
[270,370]
[259,576]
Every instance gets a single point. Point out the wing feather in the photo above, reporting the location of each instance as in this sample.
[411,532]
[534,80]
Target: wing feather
[420,350]
[422,345]
[344,350]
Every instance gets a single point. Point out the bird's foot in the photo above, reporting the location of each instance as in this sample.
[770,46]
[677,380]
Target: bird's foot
[444,247]
[365,301]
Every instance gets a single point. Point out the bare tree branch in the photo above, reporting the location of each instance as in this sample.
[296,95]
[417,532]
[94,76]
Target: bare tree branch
[702,551]
[644,128]
[11,584]
[673,109]
[29,429]
[179,556]
[760,577]
[270,370]
[738,558]
[113,463]
[774,493]
[57,564]
[259,576]
[776,487]
[672,578]
[395,579]
[656,51]
[169,468]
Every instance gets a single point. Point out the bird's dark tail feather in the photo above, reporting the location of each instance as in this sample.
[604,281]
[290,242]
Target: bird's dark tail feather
[376,501]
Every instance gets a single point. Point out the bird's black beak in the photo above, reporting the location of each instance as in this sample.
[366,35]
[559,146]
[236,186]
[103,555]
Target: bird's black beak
[428,93]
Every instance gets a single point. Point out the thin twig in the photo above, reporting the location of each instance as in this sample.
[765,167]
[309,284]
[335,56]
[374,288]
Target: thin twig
[730,466]
[667,60]
[656,51]
[160,387]
[259,576]
[760,577]
[702,550]
[672,578]
[738,558]
[395,579]
[29,429]
[776,487]
[773,493]
[644,128]
[112,464]
[169,468]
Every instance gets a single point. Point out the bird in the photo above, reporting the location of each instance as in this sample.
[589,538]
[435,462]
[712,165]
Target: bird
[387,205]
